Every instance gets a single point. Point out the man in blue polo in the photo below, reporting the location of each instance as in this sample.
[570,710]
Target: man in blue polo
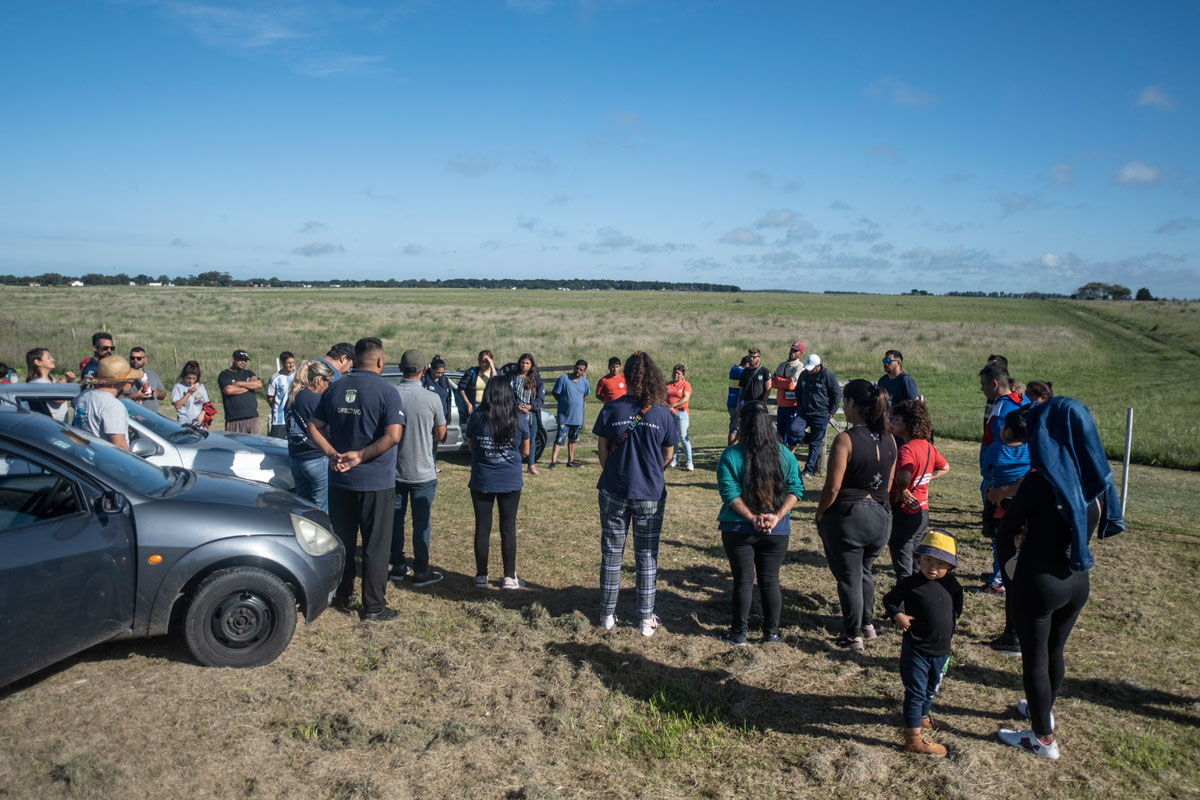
[899,384]
[570,390]
[340,359]
[357,424]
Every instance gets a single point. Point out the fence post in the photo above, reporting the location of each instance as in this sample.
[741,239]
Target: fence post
[1128,448]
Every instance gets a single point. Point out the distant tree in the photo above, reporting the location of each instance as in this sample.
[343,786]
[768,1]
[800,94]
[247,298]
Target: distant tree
[164,279]
[1119,292]
[50,279]
[1144,294]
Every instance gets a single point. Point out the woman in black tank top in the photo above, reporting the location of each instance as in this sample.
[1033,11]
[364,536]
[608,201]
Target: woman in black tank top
[854,518]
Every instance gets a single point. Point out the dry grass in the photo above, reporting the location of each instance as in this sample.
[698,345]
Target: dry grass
[489,694]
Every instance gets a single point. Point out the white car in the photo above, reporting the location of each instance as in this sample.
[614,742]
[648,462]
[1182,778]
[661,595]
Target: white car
[164,442]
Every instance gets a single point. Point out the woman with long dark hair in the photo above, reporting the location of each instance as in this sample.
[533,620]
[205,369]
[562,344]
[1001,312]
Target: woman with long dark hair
[636,439]
[498,438]
[310,466]
[188,395]
[530,395]
[917,463]
[39,363]
[1066,497]
[854,518]
[759,481]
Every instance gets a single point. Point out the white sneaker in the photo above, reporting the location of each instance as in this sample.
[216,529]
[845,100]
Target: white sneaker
[480,582]
[691,467]
[1023,710]
[673,464]
[1028,741]
[608,622]
[650,625]
[512,583]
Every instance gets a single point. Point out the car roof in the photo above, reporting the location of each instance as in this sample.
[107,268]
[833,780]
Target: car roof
[40,389]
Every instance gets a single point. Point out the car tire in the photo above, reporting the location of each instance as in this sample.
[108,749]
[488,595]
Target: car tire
[240,617]
[539,443]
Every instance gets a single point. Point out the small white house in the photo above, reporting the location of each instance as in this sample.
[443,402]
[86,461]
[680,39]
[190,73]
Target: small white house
[75,283]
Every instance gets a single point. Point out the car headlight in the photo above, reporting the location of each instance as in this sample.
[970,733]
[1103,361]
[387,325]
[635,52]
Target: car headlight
[314,539]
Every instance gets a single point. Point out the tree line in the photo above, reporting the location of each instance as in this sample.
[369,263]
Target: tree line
[214,278]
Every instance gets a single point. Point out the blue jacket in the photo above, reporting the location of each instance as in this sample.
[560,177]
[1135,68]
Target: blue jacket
[1065,447]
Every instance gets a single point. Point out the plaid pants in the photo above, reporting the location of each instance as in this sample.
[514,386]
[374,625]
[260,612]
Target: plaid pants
[615,515]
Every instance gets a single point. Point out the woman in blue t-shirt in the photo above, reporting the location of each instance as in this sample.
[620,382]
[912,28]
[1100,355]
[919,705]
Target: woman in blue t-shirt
[310,466]
[760,483]
[636,442]
[498,438]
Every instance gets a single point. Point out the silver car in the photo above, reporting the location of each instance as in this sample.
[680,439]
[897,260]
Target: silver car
[97,544]
[454,442]
[164,442]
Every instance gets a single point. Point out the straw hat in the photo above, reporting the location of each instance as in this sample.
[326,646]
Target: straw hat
[114,370]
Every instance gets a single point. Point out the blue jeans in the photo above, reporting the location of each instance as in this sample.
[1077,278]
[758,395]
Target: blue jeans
[420,497]
[922,677]
[783,423]
[312,480]
[534,418]
[566,431]
[810,429]
[681,428]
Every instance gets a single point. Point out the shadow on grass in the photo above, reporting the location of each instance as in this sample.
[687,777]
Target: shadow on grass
[733,703]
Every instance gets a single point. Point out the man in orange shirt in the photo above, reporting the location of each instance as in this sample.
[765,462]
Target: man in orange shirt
[611,385]
[783,381]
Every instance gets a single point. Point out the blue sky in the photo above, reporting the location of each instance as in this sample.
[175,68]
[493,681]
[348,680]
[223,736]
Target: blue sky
[814,146]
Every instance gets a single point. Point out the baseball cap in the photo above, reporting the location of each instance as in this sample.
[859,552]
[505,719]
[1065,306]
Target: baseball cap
[812,361]
[798,346]
[241,355]
[413,359]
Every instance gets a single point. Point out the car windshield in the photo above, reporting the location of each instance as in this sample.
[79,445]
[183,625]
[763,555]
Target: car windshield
[72,444]
[160,425]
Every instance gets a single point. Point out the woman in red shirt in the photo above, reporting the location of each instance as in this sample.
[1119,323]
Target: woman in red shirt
[679,391]
[917,463]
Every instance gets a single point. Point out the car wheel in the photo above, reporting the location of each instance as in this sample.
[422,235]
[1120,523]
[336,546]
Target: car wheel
[240,617]
[539,444]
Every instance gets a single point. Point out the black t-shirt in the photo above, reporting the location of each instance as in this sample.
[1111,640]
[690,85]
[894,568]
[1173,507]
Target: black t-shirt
[755,385]
[934,606]
[238,406]
[871,460]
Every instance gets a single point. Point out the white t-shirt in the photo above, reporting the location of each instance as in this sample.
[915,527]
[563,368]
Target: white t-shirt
[59,412]
[101,414]
[278,388]
[189,412]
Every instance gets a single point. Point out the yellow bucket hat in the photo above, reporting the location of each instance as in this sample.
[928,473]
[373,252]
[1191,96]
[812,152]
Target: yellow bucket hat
[938,544]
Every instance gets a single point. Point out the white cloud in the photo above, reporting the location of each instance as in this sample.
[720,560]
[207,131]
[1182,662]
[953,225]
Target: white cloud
[1156,97]
[1014,202]
[777,218]
[535,225]
[177,242]
[741,236]
[1178,225]
[319,249]
[312,226]
[1135,173]
[1062,174]
[412,250]
[897,92]
[610,240]
[471,166]
[800,230]
[1051,260]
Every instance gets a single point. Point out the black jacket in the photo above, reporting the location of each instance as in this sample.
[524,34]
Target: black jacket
[818,392]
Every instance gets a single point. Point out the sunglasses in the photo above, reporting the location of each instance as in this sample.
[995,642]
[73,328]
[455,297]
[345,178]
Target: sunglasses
[104,349]
[887,361]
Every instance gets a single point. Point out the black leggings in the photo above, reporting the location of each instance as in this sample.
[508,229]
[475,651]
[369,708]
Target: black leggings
[748,554]
[1045,607]
[508,502]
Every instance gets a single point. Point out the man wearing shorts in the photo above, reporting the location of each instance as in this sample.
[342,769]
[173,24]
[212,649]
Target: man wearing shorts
[570,390]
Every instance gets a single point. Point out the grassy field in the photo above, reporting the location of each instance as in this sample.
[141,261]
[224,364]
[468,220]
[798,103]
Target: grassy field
[483,694]
[1110,355]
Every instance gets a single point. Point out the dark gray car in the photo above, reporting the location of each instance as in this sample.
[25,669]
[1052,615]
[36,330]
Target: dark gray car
[97,544]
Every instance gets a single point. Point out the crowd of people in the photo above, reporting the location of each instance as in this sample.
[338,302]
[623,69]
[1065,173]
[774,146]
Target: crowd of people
[364,451]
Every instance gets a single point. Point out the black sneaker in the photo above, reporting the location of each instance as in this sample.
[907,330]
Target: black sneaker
[769,638]
[398,575]
[386,615]
[427,578]
[1008,644]
[343,603]
[574,463]
[552,465]
[734,639]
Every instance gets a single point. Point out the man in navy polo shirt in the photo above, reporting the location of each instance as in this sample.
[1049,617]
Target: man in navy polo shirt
[340,359]
[899,384]
[357,424]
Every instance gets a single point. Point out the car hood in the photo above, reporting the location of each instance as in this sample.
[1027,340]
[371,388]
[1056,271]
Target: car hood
[230,491]
[257,458]
[267,444]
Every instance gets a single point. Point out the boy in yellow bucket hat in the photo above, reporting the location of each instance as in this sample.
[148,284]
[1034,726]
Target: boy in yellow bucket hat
[925,605]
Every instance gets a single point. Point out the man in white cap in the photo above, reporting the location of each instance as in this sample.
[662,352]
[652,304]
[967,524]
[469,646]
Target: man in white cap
[99,412]
[819,396]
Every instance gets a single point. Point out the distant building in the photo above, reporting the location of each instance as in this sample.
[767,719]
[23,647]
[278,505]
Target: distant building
[75,283]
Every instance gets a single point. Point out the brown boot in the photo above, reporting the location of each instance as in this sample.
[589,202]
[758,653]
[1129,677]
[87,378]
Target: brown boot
[931,724]
[915,743]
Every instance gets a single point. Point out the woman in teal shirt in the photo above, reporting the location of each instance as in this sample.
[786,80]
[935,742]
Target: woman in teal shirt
[759,483]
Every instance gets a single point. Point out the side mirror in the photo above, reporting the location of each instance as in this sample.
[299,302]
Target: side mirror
[144,448]
[111,503]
